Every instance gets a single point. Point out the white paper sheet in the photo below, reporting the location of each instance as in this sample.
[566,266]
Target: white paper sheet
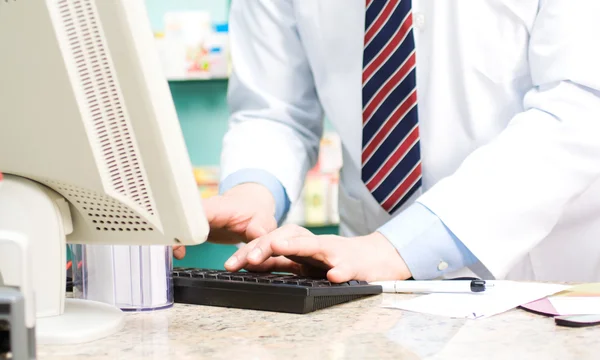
[571,305]
[503,296]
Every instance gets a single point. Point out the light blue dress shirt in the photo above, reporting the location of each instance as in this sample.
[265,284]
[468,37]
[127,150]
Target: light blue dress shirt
[428,247]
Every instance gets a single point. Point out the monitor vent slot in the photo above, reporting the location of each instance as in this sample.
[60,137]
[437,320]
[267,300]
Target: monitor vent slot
[104,213]
[105,106]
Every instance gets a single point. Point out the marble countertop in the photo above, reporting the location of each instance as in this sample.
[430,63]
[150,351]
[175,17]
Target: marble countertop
[356,330]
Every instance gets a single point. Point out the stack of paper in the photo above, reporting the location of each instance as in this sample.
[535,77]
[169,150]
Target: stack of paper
[501,296]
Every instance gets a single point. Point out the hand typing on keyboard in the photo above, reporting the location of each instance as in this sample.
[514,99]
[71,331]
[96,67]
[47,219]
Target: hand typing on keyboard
[245,213]
[368,258]
[240,215]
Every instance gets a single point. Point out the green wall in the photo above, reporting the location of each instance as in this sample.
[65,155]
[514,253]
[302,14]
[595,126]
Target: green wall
[203,113]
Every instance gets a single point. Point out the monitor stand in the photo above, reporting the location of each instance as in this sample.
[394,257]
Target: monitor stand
[43,217]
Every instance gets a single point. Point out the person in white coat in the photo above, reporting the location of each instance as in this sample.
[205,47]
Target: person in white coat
[470,130]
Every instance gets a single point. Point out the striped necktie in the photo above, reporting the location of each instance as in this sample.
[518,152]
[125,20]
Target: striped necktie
[391,157]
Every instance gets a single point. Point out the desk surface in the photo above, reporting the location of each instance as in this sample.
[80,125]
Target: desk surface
[357,330]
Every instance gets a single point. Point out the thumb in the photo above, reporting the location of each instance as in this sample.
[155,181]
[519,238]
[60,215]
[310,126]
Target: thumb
[342,273]
[260,225]
[179,252]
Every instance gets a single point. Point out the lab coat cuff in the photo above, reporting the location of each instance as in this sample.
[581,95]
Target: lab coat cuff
[426,245]
[262,177]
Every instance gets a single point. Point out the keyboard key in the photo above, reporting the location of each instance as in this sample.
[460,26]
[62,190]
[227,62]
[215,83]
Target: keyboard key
[292,282]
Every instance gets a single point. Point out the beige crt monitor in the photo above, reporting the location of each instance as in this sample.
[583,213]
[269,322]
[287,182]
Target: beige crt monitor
[89,136]
[85,111]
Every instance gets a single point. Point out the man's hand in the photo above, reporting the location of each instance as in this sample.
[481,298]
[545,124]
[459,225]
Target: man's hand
[295,249]
[241,214]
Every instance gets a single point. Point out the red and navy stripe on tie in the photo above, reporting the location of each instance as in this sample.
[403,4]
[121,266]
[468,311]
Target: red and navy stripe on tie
[391,157]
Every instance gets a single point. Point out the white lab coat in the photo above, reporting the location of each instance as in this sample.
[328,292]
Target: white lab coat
[509,109]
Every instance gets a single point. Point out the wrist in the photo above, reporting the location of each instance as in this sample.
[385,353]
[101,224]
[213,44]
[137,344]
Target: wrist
[392,266]
[248,180]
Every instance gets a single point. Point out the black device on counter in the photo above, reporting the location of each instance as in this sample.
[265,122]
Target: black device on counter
[264,291]
[577,320]
[17,341]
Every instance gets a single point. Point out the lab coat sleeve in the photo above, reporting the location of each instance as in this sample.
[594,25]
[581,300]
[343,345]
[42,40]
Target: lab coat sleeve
[277,120]
[506,197]
[429,249]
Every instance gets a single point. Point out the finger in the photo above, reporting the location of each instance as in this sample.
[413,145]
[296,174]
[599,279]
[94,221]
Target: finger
[282,264]
[220,214]
[310,262]
[179,252]
[305,246]
[278,264]
[239,259]
[260,225]
[342,273]
[263,250]
[227,227]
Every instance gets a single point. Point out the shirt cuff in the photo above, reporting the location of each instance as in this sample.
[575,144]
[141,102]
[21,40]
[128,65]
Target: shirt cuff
[426,245]
[262,177]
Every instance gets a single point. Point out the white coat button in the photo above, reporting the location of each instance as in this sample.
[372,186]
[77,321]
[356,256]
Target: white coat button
[419,20]
[442,266]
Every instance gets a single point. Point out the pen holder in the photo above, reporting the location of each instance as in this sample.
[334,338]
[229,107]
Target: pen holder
[132,278]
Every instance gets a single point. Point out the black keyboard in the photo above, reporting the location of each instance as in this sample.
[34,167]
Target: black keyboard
[264,291]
